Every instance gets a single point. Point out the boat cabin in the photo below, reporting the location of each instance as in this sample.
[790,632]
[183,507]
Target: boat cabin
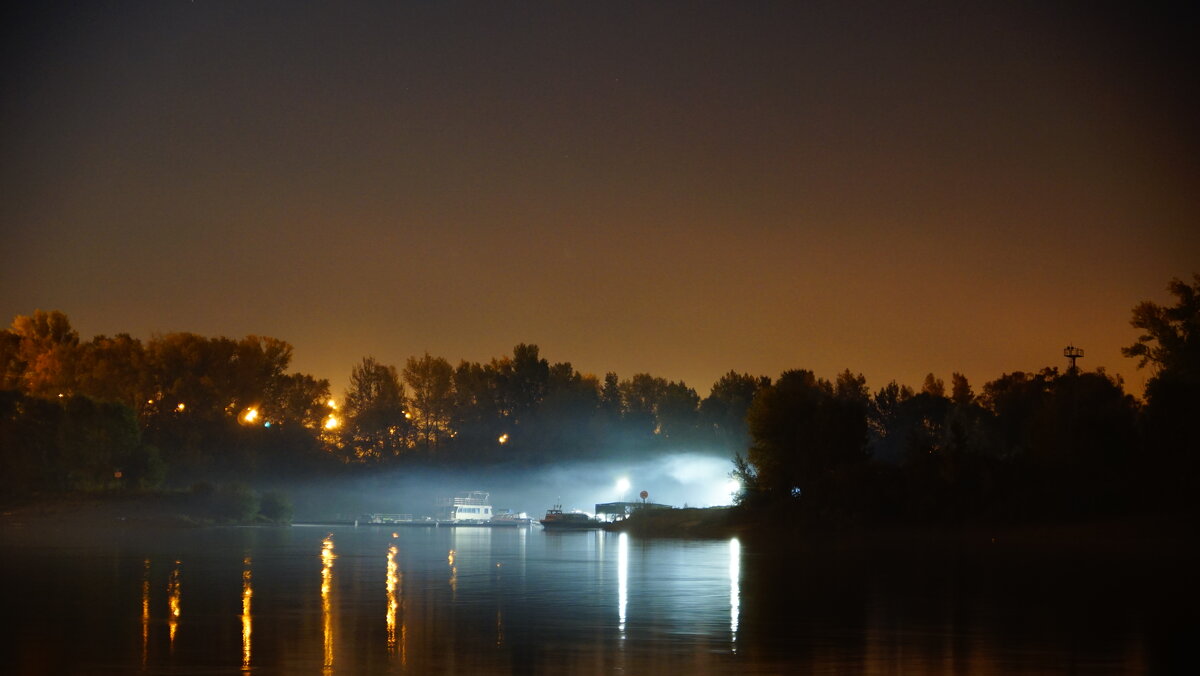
[465,507]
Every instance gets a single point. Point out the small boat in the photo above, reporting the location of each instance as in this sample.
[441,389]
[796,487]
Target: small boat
[557,519]
[506,518]
[386,518]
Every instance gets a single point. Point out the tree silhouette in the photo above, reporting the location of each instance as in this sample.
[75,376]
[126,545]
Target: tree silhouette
[1170,345]
[803,428]
[430,380]
[376,427]
[723,411]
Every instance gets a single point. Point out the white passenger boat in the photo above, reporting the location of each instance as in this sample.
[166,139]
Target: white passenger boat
[468,507]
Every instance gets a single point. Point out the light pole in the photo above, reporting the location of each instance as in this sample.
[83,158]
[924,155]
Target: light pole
[622,487]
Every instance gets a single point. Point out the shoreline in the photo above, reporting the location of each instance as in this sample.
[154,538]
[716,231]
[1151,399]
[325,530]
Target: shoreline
[1156,533]
[156,510]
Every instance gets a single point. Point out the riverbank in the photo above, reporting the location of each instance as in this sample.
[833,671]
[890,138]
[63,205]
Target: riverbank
[1158,534]
[689,522]
[164,509]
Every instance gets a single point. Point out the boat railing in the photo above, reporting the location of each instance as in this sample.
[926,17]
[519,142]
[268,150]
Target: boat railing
[389,518]
[472,499]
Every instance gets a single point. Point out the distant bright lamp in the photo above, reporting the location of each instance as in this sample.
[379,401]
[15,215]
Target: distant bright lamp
[251,415]
[732,488]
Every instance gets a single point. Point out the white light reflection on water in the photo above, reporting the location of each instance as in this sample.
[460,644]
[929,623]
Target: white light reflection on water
[735,601]
[622,580]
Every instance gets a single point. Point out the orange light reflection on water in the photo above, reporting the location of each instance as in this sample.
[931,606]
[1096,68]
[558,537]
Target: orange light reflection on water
[392,604]
[247,592]
[145,612]
[327,557]
[173,604]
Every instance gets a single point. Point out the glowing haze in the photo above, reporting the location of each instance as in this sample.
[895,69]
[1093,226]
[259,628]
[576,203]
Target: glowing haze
[680,188]
[679,479]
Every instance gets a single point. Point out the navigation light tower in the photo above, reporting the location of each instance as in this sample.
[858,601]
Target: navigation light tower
[1071,352]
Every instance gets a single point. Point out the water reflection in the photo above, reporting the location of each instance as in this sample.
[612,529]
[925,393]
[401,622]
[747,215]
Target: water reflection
[735,601]
[622,581]
[327,557]
[453,575]
[247,592]
[393,602]
[145,612]
[711,607]
[173,604]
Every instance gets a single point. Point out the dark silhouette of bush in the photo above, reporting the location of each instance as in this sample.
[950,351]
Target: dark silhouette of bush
[276,507]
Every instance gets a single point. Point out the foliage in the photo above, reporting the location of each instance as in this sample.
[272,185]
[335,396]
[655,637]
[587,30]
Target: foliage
[72,444]
[725,408]
[1170,341]
[234,502]
[430,381]
[45,353]
[804,427]
[1170,345]
[377,427]
[90,416]
[276,507]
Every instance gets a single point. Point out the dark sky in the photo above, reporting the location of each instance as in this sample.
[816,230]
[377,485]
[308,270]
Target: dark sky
[678,188]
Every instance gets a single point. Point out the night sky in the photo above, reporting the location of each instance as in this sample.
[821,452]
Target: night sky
[681,189]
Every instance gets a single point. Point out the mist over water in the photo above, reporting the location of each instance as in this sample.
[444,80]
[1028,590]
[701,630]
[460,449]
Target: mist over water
[683,479]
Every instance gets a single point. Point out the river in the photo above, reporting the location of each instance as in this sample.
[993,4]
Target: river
[416,600]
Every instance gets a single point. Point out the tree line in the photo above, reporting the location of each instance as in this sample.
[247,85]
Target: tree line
[117,412]
[121,413]
[1028,444]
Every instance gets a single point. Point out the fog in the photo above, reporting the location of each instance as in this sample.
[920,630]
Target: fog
[684,479]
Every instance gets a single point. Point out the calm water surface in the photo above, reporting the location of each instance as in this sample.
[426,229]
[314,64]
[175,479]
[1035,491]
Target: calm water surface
[349,600]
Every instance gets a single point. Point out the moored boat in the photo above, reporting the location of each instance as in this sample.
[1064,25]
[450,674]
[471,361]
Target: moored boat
[471,507]
[557,519]
[502,519]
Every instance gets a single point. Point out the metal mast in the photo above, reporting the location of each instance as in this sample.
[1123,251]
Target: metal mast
[1071,352]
